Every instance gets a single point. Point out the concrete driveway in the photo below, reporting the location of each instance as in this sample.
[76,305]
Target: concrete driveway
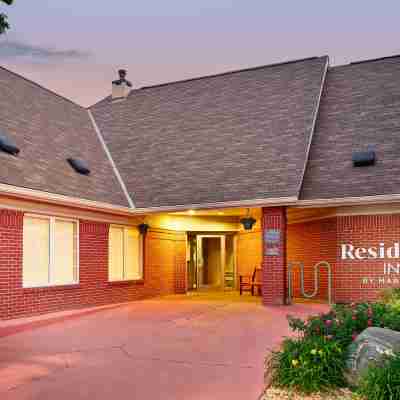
[169,349]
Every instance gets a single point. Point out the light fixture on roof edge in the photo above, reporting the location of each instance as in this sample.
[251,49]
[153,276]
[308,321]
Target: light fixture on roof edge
[248,221]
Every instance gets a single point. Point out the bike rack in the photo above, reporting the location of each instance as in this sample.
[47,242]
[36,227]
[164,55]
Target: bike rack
[317,267]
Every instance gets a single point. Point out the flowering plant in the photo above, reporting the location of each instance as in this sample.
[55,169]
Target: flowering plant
[308,364]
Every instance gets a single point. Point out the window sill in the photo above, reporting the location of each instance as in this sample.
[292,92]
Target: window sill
[53,287]
[126,282]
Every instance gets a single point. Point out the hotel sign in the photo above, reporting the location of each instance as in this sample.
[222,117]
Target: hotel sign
[390,276]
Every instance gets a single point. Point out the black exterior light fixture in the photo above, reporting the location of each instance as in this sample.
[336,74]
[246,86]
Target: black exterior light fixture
[363,158]
[79,166]
[7,145]
[248,221]
[143,228]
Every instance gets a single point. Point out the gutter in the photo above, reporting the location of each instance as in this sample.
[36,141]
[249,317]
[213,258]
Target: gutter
[59,199]
[348,201]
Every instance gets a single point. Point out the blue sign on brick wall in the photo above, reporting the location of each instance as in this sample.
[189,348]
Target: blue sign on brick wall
[272,239]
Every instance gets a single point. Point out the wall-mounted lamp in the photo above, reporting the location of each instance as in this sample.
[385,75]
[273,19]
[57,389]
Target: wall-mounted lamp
[143,228]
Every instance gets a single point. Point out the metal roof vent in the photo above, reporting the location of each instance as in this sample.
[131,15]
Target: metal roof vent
[7,145]
[79,166]
[363,158]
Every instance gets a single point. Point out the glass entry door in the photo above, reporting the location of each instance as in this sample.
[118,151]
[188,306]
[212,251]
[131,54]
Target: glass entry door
[211,262]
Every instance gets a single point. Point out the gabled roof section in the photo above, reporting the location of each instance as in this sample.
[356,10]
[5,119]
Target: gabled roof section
[360,109]
[238,136]
[48,129]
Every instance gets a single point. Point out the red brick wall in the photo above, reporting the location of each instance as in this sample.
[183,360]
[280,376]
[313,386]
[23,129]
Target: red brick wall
[249,252]
[363,231]
[321,240]
[163,268]
[274,266]
[10,259]
[310,243]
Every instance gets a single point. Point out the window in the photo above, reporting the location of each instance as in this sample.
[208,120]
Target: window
[125,254]
[50,251]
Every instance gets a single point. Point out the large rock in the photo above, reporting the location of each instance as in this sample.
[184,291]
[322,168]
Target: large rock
[371,345]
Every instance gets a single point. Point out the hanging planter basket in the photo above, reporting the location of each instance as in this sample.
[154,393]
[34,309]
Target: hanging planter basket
[248,223]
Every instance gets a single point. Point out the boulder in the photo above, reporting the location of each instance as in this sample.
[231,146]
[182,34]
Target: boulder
[371,345]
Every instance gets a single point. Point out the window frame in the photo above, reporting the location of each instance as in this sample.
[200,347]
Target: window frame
[125,228]
[52,259]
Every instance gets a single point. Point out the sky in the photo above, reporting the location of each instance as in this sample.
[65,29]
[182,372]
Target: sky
[75,47]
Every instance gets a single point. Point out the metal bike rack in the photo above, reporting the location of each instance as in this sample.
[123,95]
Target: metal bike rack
[317,267]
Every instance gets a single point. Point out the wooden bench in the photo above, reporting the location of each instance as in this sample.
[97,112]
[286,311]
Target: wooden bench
[247,283]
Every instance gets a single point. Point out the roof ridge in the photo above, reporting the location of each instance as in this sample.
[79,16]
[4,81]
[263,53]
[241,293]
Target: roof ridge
[40,86]
[234,71]
[216,75]
[375,59]
[371,60]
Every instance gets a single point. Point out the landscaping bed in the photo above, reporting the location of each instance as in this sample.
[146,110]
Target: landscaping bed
[283,394]
[350,352]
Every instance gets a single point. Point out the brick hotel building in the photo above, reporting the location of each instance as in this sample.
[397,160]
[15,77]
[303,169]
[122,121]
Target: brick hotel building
[188,185]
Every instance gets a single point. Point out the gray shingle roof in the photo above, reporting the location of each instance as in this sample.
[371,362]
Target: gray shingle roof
[236,136]
[360,107]
[48,129]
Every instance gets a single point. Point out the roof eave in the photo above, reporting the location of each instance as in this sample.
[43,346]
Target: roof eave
[349,201]
[59,199]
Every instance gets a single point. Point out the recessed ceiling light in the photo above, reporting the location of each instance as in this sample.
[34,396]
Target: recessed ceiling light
[220,213]
[192,212]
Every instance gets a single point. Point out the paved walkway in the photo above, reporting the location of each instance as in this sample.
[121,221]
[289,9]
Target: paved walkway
[175,348]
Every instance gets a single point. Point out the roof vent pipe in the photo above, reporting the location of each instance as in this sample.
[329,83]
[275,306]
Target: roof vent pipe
[121,87]
[7,145]
[363,158]
[79,166]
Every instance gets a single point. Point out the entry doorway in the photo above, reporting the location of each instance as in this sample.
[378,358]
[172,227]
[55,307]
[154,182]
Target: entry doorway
[212,261]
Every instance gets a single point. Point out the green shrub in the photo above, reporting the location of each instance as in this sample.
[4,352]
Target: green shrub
[390,295]
[382,381]
[344,322]
[308,365]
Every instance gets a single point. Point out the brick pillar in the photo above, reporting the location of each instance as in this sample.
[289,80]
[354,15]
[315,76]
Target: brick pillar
[274,255]
[11,226]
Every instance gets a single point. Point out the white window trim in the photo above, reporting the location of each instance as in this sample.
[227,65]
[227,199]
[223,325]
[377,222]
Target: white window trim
[141,261]
[52,261]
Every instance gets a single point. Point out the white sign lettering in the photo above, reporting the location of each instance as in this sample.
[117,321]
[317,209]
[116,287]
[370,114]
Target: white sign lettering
[349,252]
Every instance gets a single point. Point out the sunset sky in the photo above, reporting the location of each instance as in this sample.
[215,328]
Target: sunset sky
[74,47]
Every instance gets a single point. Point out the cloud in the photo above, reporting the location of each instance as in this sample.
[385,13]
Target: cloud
[17,49]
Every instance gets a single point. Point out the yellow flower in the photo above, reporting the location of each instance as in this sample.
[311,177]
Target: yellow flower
[320,352]
[295,362]
[313,352]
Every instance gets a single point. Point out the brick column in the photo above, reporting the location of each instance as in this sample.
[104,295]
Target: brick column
[11,226]
[274,255]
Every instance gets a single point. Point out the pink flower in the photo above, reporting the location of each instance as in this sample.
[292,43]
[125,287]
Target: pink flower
[354,317]
[328,322]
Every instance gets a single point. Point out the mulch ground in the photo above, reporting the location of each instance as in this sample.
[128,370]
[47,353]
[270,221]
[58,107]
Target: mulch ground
[281,394]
